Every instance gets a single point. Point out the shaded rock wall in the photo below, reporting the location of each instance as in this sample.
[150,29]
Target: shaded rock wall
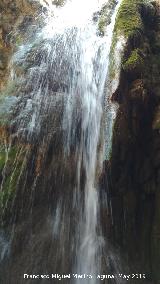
[133,172]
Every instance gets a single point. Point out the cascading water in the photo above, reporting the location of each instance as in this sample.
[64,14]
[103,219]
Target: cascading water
[89,54]
[65,87]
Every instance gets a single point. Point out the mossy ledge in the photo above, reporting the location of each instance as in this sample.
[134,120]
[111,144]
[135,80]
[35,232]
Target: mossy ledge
[133,61]
[129,21]
[129,26]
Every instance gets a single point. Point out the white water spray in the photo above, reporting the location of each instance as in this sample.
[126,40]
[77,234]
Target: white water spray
[73,61]
[80,43]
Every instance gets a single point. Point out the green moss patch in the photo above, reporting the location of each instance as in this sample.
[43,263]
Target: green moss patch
[10,186]
[9,157]
[128,25]
[11,166]
[134,60]
[129,19]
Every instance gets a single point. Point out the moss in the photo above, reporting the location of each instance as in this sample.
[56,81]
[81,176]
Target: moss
[133,61]
[128,25]
[11,165]
[19,40]
[129,19]
[11,156]
[10,186]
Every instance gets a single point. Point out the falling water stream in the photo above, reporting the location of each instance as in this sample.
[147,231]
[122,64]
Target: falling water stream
[87,55]
[69,78]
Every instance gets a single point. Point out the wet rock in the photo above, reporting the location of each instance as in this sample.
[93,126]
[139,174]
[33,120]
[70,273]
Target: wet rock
[133,172]
[138,92]
[155,241]
[150,186]
[157,160]
[156,120]
[148,13]
[16,19]
[146,171]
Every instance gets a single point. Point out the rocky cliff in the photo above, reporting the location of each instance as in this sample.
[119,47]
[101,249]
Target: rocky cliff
[133,171]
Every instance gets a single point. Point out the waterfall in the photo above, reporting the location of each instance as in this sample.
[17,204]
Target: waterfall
[64,93]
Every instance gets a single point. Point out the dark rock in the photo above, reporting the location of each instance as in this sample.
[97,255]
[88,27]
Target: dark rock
[134,168]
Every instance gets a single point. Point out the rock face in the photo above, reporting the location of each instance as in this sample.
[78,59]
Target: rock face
[33,173]
[24,156]
[133,171]
[16,26]
[15,18]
